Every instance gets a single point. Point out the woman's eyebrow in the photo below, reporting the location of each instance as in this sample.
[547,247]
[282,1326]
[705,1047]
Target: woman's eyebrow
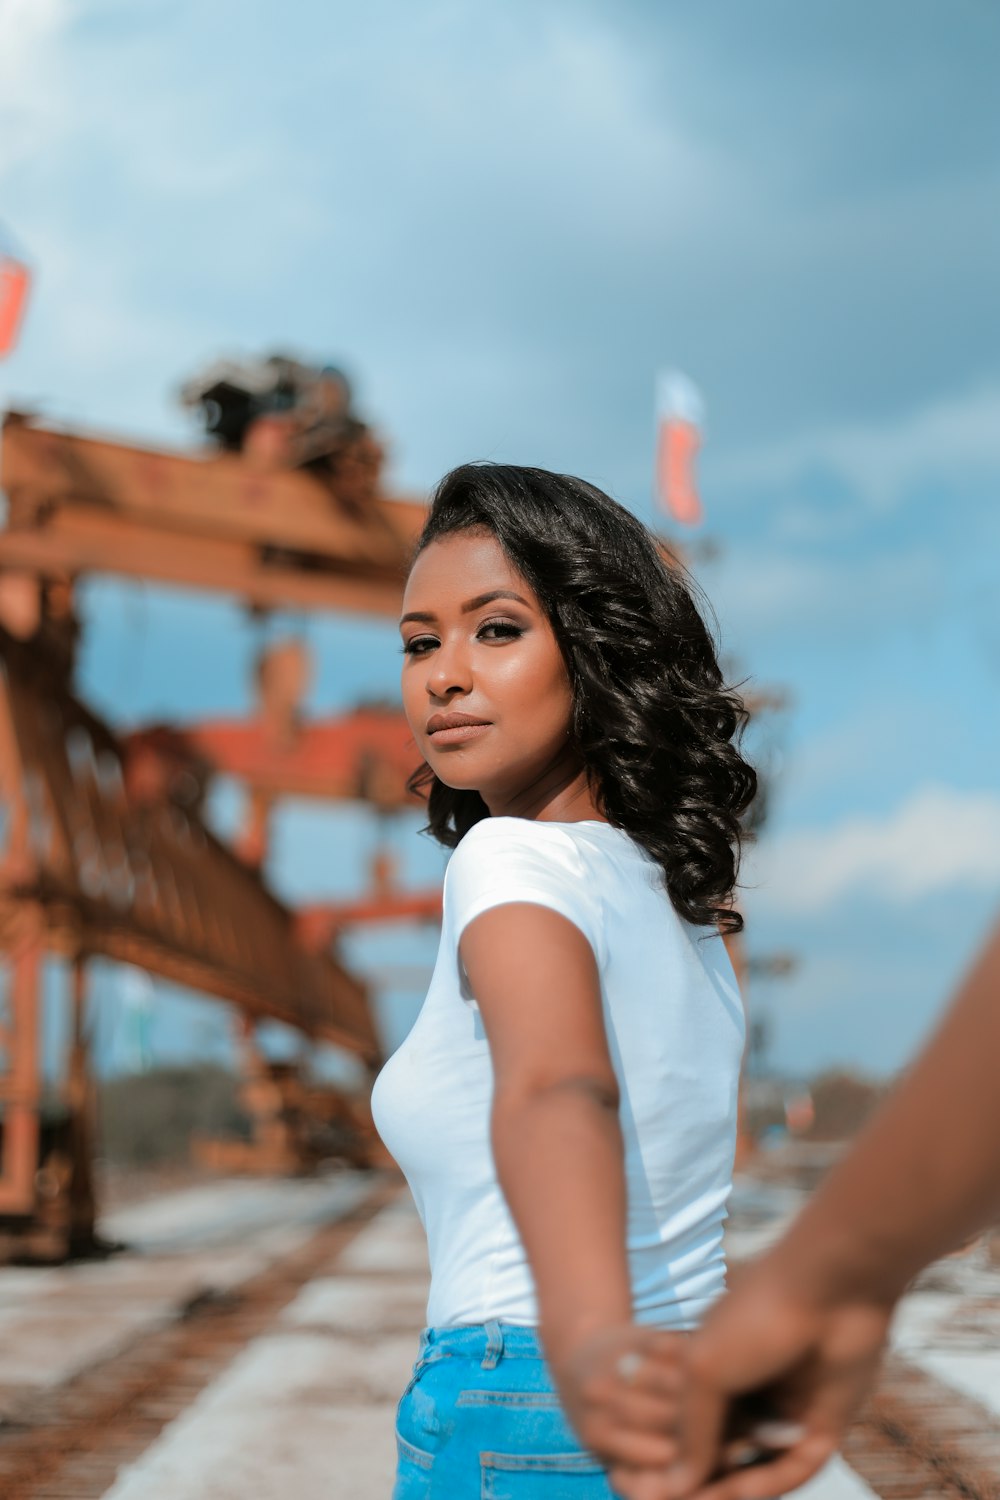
[470,604]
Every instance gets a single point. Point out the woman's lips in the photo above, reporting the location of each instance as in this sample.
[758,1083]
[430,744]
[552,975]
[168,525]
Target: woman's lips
[459,734]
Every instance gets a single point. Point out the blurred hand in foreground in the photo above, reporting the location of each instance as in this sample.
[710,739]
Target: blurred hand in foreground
[772,1382]
[799,1338]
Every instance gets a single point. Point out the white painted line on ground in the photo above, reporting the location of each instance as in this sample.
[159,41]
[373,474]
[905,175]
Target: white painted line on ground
[226,1210]
[957,1346]
[918,1319]
[974,1374]
[292,1415]
[393,1242]
[57,1321]
[836,1482]
[356,1305]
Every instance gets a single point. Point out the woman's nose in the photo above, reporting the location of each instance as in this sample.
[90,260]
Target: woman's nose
[449,672]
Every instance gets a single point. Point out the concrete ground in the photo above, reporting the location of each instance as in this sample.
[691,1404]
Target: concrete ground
[305,1410]
[202,1241]
[308,1408]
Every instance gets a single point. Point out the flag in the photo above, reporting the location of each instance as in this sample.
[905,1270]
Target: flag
[14,282]
[15,279]
[680,415]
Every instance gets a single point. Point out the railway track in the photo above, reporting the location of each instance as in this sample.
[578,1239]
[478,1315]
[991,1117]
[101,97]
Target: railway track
[69,1443]
[917,1438]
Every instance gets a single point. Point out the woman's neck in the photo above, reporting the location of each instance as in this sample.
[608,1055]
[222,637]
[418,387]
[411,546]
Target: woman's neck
[564,800]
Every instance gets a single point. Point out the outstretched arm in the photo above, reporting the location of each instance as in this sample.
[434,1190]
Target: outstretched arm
[559,1158]
[806,1324]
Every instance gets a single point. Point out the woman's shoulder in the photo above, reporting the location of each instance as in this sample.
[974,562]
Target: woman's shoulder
[527,830]
[504,859]
[585,839]
[585,853]
[496,838]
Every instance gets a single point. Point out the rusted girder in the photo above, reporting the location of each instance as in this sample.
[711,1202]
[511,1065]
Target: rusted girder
[275,538]
[367,754]
[146,882]
[318,923]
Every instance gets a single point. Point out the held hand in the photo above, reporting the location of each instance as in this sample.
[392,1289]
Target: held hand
[766,1358]
[621,1389]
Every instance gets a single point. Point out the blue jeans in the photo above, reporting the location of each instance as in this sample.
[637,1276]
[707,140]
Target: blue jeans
[480,1420]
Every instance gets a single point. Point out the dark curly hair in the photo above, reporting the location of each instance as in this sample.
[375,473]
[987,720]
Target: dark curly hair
[656,728]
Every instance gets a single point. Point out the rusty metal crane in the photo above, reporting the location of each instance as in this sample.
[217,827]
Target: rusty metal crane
[99,851]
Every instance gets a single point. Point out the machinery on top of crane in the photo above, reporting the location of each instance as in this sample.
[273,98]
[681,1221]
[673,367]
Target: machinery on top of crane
[278,411]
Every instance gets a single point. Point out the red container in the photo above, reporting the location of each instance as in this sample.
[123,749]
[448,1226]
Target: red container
[15,279]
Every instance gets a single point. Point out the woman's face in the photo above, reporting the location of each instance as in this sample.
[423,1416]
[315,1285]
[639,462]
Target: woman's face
[478,644]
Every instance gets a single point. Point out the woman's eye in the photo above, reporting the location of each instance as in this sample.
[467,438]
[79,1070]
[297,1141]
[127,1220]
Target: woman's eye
[495,630]
[505,629]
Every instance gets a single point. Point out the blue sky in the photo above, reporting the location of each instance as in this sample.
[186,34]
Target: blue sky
[502,221]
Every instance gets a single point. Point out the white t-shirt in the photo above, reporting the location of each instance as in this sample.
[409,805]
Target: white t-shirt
[675,1026]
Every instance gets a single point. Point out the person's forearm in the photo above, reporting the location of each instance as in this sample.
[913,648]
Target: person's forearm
[925,1173]
[560,1161]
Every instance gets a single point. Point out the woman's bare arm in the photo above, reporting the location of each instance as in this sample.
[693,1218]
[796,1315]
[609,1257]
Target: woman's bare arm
[559,1158]
[809,1319]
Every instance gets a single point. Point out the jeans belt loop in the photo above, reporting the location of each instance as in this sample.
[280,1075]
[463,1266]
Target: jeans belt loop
[494,1345]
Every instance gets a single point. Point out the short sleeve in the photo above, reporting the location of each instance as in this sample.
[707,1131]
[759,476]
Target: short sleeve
[501,860]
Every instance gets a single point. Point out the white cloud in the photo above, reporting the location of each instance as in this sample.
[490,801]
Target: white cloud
[939,840]
[30,106]
[431,192]
[782,593]
[957,435]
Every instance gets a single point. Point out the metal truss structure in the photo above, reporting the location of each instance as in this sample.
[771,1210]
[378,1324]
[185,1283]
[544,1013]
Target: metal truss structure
[104,850]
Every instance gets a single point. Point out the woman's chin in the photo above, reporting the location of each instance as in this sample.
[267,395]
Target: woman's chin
[452,777]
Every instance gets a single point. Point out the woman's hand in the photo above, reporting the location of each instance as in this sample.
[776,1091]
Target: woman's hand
[621,1389]
[772,1370]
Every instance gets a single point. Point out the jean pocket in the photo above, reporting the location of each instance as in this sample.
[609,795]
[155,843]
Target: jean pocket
[543,1476]
[421,1426]
[413,1471]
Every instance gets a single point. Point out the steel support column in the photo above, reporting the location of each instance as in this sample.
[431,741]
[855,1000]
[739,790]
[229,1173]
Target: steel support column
[19,1081]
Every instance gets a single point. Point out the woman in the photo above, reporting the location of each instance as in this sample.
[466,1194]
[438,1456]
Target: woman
[564,1107]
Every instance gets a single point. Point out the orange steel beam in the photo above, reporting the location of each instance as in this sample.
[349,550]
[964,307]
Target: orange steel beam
[367,754]
[20,1080]
[277,538]
[319,922]
[212,494]
[71,543]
